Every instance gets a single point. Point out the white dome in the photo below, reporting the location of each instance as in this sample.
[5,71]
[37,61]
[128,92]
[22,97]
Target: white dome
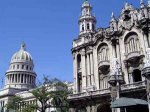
[20,73]
[21,55]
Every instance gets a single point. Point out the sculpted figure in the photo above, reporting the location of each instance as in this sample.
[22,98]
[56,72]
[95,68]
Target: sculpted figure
[147,58]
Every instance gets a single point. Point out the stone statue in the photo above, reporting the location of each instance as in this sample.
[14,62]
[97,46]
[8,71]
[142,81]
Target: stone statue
[147,58]
[115,67]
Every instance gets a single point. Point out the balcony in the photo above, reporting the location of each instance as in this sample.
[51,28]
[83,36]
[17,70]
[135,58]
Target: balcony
[133,86]
[89,93]
[133,56]
[103,65]
[124,88]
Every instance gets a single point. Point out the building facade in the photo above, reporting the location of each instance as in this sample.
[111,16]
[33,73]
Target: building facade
[20,80]
[101,54]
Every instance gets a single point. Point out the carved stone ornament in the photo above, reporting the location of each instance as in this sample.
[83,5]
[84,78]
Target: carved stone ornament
[128,24]
[107,33]
[116,68]
[99,35]
[147,58]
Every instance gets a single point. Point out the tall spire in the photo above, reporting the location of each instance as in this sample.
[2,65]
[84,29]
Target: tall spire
[23,46]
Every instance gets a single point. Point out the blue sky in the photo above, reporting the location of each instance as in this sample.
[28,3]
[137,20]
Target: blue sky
[48,28]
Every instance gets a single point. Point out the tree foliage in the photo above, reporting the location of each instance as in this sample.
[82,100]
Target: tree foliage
[52,93]
[17,104]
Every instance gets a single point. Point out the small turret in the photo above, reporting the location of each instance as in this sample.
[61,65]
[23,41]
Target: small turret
[113,23]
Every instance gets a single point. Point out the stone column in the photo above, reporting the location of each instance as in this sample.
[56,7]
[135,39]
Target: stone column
[75,73]
[88,65]
[26,78]
[149,37]
[84,80]
[88,70]
[96,74]
[23,78]
[92,72]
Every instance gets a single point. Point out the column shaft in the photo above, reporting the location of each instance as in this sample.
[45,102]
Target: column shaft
[84,81]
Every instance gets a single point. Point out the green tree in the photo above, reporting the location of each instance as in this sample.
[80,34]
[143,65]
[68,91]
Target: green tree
[17,104]
[52,93]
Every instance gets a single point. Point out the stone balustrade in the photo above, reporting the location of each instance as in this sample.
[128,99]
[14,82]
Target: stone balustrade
[124,87]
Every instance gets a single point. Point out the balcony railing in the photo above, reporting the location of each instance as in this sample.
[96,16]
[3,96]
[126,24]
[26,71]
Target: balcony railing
[134,85]
[132,55]
[124,87]
[89,93]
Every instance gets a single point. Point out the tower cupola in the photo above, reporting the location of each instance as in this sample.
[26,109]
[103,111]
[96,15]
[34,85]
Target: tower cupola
[87,21]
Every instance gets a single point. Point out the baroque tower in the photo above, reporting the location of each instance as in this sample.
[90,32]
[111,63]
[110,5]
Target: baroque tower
[20,73]
[87,21]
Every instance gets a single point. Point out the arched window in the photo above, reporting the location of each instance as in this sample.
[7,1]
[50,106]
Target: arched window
[82,27]
[27,67]
[79,61]
[131,43]
[103,53]
[22,66]
[88,26]
[17,66]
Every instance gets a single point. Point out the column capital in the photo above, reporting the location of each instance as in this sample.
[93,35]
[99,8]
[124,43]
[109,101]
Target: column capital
[82,53]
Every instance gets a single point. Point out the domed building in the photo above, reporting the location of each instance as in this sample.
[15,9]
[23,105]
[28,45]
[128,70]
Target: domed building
[20,78]
[20,73]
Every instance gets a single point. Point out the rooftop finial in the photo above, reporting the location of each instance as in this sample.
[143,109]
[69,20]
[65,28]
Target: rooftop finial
[148,3]
[23,46]
[112,17]
[142,3]
[126,5]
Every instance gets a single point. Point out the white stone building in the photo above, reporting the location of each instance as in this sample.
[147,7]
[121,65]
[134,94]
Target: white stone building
[20,80]
[105,57]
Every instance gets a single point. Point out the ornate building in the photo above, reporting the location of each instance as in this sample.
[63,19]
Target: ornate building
[19,78]
[107,57]
[20,74]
